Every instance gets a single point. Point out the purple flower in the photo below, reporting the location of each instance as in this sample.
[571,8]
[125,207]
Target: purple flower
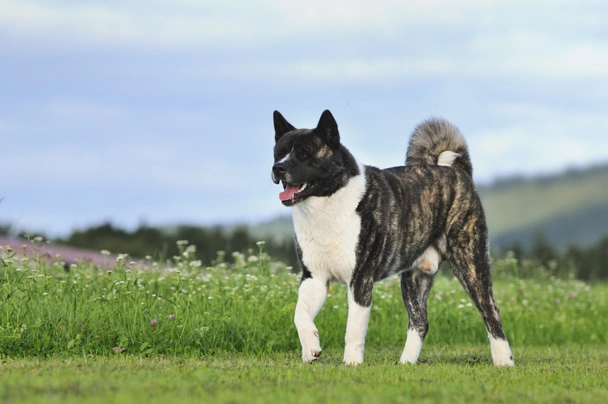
[153,323]
[171,316]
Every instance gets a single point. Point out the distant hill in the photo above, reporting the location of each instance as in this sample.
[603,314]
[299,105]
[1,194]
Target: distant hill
[567,208]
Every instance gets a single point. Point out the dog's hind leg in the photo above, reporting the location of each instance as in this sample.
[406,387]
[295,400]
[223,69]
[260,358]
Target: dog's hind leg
[311,296]
[471,265]
[415,287]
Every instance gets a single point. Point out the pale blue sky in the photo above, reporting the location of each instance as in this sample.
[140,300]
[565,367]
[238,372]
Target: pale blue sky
[161,110]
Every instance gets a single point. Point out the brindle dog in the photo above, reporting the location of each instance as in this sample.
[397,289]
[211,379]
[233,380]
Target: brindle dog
[358,224]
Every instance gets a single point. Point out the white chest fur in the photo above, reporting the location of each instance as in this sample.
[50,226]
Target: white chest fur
[327,229]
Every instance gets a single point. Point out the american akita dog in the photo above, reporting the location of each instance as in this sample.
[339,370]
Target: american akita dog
[358,224]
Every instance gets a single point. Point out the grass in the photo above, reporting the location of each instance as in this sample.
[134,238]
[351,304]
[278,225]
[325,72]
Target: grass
[455,374]
[177,332]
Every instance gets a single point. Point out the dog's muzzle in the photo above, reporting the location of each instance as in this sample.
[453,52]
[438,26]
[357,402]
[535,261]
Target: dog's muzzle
[278,172]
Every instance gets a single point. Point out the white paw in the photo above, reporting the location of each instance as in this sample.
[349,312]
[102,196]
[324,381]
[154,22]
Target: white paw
[413,346]
[504,362]
[501,352]
[311,346]
[407,359]
[353,356]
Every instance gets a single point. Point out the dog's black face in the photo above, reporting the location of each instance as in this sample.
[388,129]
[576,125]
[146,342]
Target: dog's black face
[308,162]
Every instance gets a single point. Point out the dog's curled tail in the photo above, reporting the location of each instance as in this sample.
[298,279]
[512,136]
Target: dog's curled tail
[438,142]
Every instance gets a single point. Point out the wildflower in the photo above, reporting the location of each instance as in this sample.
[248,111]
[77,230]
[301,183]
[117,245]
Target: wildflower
[105,252]
[182,242]
[154,322]
[171,317]
[260,243]
[460,306]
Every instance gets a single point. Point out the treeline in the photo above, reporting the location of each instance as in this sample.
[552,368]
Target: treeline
[162,243]
[584,263]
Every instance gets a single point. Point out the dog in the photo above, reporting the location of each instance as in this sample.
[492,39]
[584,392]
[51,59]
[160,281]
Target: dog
[357,224]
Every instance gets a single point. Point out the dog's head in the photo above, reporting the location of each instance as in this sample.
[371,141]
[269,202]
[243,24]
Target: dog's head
[309,162]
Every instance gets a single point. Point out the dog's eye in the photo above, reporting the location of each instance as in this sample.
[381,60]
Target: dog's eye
[303,155]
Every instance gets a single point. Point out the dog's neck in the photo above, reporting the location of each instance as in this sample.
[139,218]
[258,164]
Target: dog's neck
[331,209]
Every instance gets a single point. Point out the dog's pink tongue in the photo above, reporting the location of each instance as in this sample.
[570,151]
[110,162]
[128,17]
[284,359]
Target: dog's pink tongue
[289,192]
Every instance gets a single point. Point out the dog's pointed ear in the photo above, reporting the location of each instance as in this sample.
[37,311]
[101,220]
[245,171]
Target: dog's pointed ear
[328,129]
[281,126]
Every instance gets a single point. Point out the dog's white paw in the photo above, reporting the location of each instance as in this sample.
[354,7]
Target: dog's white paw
[501,352]
[353,356]
[413,346]
[504,362]
[407,360]
[311,346]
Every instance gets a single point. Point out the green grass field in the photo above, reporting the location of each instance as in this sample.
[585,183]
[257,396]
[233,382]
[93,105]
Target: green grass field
[181,333]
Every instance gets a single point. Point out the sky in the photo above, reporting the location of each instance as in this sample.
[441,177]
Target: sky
[160,111]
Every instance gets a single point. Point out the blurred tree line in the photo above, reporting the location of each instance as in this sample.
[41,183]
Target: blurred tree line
[585,263]
[161,244]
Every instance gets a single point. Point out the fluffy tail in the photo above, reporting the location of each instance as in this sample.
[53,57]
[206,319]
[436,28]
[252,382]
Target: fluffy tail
[438,142]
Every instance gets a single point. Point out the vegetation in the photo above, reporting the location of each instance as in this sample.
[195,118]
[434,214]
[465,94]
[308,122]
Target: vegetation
[161,244]
[150,332]
[589,264]
[455,374]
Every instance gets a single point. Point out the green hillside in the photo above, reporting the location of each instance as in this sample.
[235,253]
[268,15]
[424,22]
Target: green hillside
[567,208]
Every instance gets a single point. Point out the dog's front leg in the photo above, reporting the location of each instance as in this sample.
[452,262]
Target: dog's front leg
[356,328]
[311,296]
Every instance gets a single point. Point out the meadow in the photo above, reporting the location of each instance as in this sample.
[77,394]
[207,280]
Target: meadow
[179,332]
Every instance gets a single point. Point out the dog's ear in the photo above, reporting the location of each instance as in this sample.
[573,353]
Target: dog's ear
[328,129]
[281,126]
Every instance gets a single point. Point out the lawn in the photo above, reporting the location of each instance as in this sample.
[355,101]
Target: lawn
[460,373]
[178,332]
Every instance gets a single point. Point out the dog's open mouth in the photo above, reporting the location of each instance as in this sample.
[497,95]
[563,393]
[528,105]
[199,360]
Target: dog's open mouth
[295,193]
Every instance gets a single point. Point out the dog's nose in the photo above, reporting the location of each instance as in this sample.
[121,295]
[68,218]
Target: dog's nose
[279,169]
